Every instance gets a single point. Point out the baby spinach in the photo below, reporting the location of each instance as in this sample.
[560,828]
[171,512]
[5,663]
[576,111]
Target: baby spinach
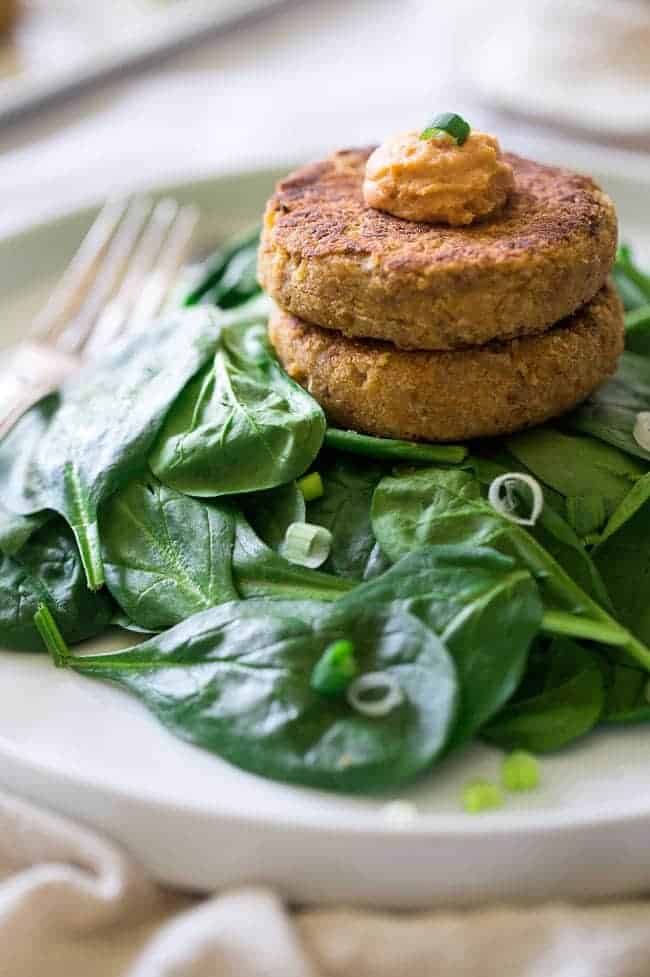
[637,330]
[552,531]
[240,687]
[166,556]
[169,556]
[344,509]
[568,706]
[47,570]
[260,572]
[443,506]
[623,558]
[97,436]
[270,513]
[610,413]
[241,424]
[632,282]
[485,609]
[229,276]
[577,466]
[626,695]
[15,530]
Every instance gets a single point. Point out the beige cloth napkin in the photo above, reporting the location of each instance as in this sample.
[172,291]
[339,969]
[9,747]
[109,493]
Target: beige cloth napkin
[72,904]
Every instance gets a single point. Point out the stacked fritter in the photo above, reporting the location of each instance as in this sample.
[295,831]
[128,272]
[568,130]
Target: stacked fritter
[422,331]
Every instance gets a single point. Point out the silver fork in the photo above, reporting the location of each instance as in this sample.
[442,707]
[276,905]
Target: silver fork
[120,276]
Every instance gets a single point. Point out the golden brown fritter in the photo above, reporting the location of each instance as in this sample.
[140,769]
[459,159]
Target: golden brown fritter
[331,260]
[9,10]
[502,387]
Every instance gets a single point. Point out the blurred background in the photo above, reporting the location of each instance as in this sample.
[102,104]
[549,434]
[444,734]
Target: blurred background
[98,96]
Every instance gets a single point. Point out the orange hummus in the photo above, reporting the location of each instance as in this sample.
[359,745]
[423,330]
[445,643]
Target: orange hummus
[437,181]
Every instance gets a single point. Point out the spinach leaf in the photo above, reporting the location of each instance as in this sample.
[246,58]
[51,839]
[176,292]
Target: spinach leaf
[577,465]
[97,436]
[270,513]
[485,609]
[344,509]
[15,530]
[568,707]
[632,283]
[392,449]
[47,570]
[166,556]
[241,424]
[552,531]
[637,330]
[229,277]
[260,572]
[623,558]
[610,413]
[240,687]
[626,695]
[443,506]
[169,556]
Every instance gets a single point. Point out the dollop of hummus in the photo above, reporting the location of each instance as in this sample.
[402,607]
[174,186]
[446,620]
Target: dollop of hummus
[437,181]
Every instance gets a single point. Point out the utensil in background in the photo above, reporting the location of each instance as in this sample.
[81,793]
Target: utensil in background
[120,276]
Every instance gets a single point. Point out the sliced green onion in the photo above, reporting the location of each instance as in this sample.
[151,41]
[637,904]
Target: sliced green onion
[481,795]
[452,124]
[52,637]
[520,771]
[306,544]
[375,694]
[641,430]
[505,502]
[336,668]
[311,486]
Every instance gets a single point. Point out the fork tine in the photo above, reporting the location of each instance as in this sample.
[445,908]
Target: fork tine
[171,258]
[109,276]
[115,314]
[73,285]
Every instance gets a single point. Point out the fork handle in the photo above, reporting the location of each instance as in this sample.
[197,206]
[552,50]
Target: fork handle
[33,371]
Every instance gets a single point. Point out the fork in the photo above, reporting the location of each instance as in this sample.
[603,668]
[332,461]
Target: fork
[120,277]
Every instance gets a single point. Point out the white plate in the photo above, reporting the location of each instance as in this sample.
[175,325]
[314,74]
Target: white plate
[91,751]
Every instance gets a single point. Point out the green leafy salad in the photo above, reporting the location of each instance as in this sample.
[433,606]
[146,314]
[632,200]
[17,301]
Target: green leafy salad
[316,605]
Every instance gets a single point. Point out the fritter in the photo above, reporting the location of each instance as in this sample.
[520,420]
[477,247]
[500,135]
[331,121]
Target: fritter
[498,388]
[331,260]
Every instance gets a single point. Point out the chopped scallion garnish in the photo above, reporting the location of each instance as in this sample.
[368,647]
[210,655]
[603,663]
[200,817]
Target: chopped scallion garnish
[450,123]
[311,486]
[306,544]
[52,637]
[336,668]
[375,694]
[641,430]
[520,771]
[481,795]
[502,497]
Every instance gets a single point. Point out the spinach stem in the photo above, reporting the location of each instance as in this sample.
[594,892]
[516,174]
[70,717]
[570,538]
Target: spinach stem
[605,631]
[52,637]
[392,449]
[571,625]
[87,537]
